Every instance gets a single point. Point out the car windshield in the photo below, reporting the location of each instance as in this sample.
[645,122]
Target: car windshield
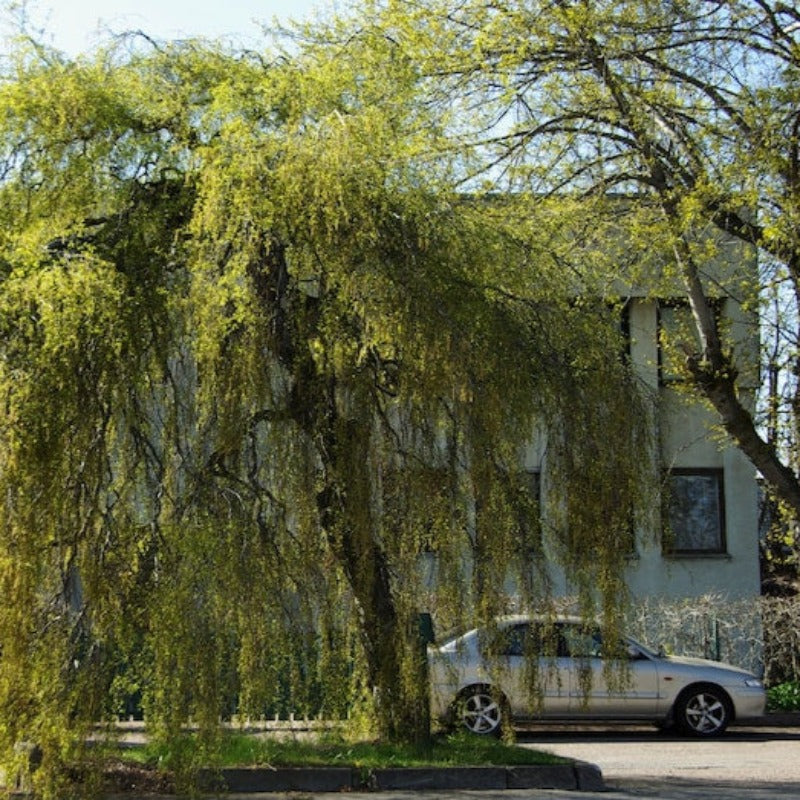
[452,635]
[575,640]
[648,651]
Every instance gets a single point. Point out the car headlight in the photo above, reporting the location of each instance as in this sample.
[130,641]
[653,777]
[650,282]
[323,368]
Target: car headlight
[753,683]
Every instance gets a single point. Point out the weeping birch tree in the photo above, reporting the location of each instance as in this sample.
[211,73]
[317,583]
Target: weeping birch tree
[258,355]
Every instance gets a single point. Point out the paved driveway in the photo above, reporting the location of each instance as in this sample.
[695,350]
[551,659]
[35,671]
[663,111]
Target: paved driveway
[748,762]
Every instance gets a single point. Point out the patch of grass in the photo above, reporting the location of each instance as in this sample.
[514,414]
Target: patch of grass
[238,749]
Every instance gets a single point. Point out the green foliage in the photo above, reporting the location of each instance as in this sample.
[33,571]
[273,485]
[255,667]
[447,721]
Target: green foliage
[258,354]
[784,697]
[688,111]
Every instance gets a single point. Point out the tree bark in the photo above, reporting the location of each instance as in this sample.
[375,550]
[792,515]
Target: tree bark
[403,712]
[345,505]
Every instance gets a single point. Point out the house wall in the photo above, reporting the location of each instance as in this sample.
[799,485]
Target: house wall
[687,439]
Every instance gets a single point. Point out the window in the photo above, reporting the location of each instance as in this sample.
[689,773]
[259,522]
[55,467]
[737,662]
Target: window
[529,514]
[694,512]
[624,322]
[677,337]
[517,640]
[583,642]
[527,639]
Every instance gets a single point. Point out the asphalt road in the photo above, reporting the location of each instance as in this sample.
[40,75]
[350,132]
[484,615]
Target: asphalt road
[758,763]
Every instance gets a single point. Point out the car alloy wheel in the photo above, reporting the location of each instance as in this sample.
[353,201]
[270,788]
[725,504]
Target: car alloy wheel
[481,712]
[704,711]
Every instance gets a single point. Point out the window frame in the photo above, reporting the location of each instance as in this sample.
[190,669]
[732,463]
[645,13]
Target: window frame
[669,537]
[679,304]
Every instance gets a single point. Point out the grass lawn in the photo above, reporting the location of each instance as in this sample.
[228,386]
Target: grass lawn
[239,749]
[151,768]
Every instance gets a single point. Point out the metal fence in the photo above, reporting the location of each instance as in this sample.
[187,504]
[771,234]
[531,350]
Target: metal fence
[760,634]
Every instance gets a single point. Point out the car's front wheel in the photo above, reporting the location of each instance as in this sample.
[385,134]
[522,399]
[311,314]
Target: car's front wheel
[481,711]
[703,711]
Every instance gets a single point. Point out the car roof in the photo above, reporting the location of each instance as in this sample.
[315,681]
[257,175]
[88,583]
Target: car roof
[512,619]
[508,620]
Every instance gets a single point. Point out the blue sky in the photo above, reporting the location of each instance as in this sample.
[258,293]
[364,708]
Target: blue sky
[73,25]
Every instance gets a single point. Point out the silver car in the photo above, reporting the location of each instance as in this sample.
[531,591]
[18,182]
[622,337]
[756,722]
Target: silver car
[523,668]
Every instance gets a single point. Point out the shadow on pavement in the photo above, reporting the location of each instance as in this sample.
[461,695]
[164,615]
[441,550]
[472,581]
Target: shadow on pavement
[646,733]
[691,789]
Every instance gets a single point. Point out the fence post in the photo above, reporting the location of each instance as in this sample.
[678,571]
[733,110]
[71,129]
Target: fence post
[715,639]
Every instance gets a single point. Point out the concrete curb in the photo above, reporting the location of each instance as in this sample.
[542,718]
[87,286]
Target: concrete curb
[578,776]
[774,719]
[278,779]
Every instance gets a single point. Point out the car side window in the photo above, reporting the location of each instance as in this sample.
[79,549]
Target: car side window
[517,640]
[583,642]
[542,640]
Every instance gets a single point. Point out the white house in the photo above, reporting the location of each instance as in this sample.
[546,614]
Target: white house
[703,537]
[707,540]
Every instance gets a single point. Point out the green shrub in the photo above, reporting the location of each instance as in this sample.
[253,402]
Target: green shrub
[784,697]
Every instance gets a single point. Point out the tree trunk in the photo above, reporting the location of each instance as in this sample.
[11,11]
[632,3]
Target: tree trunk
[716,378]
[345,504]
[392,647]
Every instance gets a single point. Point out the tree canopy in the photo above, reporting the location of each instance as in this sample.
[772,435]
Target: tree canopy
[690,110]
[260,356]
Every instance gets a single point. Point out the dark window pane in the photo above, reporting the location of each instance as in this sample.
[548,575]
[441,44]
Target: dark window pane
[529,520]
[695,514]
[678,338]
[517,640]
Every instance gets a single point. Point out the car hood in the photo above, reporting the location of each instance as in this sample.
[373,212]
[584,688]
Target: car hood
[707,663]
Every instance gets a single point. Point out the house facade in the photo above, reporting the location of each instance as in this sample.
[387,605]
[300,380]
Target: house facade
[702,535]
[706,537]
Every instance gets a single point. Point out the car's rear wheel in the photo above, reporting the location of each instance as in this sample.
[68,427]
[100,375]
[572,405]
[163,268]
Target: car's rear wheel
[703,710]
[482,711]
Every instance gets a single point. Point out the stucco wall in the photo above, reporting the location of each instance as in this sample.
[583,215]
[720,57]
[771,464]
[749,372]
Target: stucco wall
[687,438]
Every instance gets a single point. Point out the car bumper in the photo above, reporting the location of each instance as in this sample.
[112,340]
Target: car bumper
[442,702]
[750,703]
